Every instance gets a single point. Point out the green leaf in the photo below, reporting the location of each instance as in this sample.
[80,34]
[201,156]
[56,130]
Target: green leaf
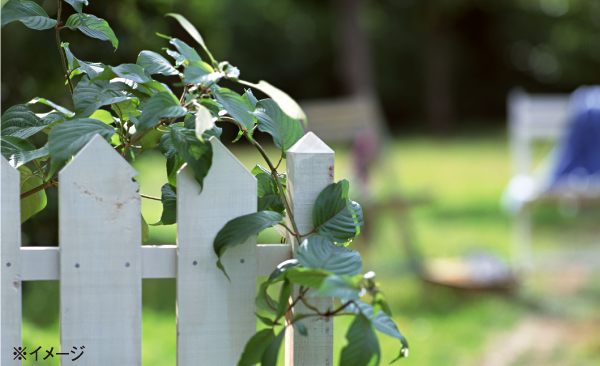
[236,231]
[66,139]
[284,296]
[197,154]
[281,268]
[150,140]
[36,202]
[179,58]
[185,51]
[174,161]
[308,277]
[89,96]
[250,99]
[284,101]
[126,108]
[211,105]
[379,303]
[271,119]
[169,201]
[145,231]
[255,347]
[381,321]
[19,121]
[363,346]
[268,194]
[59,108]
[92,26]
[12,145]
[191,30]
[161,105]
[269,357]
[200,72]
[335,216]
[300,327]
[24,157]
[153,63]
[235,106]
[104,116]
[266,321]
[203,122]
[131,72]
[264,301]
[318,252]
[77,4]
[342,287]
[28,13]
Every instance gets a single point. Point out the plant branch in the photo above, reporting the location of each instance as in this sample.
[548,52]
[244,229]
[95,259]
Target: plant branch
[38,188]
[150,197]
[58,43]
[276,178]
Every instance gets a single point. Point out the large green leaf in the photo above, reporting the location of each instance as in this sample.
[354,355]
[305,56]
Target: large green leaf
[281,268]
[197,154]
[309,277]
[49,103]
[154,63]
[19,121]
[236,107]
[23,157]
[236,231]
[91,69]
[169,202]
[131,72]
[264,301]
[28,13]
[77,4]
[92,26]
[174,160]
[335,216]
[271,119]
[269,357]
[200,72]
[363,346]
[255,347]
[150,140]
[89,96]
[342,287]
[36,202]
[189,27]
[127,107]
[185,51]
[284,101]
[318,252]
[66,139]
[161,105]
[268,194]
[382,322]
[12,145]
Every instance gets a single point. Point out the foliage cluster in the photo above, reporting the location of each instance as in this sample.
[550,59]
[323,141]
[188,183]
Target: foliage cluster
[145,114]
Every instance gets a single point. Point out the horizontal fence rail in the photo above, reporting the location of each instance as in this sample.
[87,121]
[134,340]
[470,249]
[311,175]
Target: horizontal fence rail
[100,262]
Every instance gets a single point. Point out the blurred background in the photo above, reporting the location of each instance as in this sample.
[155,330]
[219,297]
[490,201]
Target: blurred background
[412,96]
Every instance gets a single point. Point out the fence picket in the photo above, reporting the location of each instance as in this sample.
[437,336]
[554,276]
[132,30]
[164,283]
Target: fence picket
[214,316]
[11,262]
[310,167]
[100,261]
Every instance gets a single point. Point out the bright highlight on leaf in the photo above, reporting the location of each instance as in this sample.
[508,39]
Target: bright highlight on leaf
[189,27]
[285,102]
[204,121]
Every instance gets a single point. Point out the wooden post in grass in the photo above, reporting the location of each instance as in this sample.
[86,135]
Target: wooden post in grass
[100,259]
[11,263]
[310,168]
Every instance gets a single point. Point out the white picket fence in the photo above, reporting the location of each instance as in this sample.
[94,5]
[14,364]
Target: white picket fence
[100,262]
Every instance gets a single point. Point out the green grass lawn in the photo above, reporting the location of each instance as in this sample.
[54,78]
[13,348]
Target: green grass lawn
[463,179]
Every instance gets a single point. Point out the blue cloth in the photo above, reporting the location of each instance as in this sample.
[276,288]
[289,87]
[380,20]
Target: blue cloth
[579,152]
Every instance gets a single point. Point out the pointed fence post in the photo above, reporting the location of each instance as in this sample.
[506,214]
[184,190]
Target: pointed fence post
[215,317]
[11,263]
[100,258]
[310,167]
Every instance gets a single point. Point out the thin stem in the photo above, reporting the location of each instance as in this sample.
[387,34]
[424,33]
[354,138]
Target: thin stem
[150,197]
[37,165]
[276,178]
[58,43]
[309,305]
[38,188]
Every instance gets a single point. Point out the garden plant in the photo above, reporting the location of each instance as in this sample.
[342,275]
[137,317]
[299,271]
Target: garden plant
[135,113]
